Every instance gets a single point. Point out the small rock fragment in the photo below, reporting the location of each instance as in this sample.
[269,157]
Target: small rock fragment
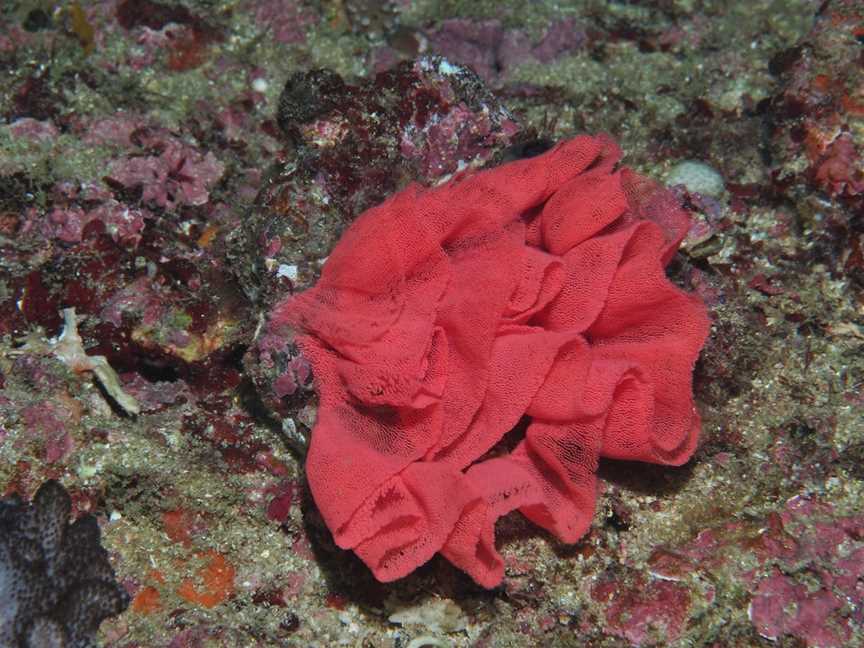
[434,614]
[698,177]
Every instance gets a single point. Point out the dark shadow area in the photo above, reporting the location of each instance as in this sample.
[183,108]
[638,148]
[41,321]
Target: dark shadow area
[645,478]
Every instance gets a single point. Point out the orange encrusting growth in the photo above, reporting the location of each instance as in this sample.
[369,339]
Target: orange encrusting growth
[214,582]
[147,600]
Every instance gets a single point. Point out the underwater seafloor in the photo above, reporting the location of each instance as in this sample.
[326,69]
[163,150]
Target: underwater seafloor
[155,178]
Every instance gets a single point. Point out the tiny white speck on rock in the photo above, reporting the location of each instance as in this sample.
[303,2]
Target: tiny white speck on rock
[289,271]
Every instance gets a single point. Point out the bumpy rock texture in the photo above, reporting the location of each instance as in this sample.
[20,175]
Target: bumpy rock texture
[56,584]
[354,144]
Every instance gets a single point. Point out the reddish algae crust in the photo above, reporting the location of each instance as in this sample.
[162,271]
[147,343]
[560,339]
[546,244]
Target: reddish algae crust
[134,140]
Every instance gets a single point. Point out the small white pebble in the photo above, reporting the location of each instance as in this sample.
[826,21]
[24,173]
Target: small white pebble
[698,177]
[289,271]
[446,67]
[260,85]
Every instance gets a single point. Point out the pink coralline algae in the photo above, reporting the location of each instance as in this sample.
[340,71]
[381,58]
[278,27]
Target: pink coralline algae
[818,605]
[840,168]
[813,617]
[117,129]
[820,110]
[491,50]
[639,612]
[172,173]
[444,316]
[124,224]
[33,129]
[47,422]
[286,20]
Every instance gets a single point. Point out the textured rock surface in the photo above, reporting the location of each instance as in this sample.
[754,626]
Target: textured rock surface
[353,146]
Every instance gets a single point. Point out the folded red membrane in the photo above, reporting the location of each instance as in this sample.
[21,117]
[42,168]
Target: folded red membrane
[446,315]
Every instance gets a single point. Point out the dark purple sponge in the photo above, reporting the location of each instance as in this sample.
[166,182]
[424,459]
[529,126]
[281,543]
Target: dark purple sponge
[56,584]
